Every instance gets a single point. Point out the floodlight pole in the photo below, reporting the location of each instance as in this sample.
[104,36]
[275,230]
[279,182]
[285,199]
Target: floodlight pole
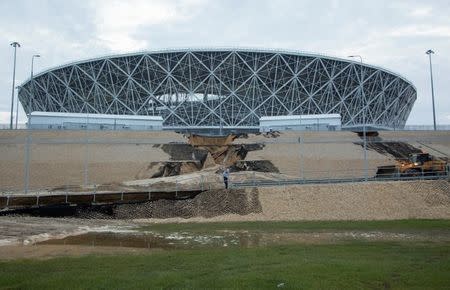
[366,166]
[15,45]
[430,52]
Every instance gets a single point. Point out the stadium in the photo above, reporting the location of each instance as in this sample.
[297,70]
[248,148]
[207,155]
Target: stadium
[199,89]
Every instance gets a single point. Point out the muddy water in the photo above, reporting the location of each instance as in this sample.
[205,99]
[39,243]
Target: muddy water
[241,239]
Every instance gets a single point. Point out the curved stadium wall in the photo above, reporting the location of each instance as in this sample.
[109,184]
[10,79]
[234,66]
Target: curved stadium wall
[229,88]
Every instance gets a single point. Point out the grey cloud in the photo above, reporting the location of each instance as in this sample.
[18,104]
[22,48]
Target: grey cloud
[66,30]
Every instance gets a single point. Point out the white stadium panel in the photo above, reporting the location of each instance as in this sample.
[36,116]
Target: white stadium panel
[229,88]
[319,122]
[52,120]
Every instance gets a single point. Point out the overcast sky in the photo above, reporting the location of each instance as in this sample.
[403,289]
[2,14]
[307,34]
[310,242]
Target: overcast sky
[390,34]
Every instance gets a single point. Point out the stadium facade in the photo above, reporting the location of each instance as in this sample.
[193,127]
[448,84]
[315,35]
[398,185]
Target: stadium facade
[223,88]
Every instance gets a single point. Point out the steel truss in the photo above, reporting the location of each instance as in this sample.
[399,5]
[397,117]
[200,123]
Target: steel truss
[223,88]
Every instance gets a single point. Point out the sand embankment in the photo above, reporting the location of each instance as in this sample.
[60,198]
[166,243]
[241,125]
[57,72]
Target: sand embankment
[347,201]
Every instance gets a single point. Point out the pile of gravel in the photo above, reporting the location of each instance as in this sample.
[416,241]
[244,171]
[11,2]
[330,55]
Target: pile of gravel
[207,204]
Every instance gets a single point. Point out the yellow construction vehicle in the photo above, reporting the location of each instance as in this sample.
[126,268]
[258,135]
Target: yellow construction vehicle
[417,164]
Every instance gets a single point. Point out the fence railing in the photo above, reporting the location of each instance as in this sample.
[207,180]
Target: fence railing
[430,175]
[236,180]
[424,128]
[108,127]
[29,163]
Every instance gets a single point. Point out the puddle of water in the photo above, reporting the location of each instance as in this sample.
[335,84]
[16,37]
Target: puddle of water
[242,239]
[154,240]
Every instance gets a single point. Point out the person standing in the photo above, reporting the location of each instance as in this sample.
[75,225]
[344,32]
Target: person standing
[226,176]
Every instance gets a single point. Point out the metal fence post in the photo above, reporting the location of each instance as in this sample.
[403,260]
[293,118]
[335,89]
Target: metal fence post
[302,165]
[86,157]
[27,161]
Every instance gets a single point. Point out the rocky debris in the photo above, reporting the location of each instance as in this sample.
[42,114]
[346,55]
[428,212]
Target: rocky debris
[171,168]
[235,153]
[271,134]
[358,201]
[207,204]
[368,134]
[180,151]
[255,165]
[399,150]
[242,135]
[187,158]
[209,161]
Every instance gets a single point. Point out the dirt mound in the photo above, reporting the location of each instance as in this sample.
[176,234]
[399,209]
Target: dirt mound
[207,204]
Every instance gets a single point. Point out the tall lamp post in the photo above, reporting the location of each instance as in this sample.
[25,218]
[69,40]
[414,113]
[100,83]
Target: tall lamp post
[430,52]
[366,166]
[15,45]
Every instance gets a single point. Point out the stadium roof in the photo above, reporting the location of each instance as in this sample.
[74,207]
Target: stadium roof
[207,49]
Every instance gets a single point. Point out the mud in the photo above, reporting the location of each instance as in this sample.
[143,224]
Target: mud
[139,242]
[240,238]
[23,230]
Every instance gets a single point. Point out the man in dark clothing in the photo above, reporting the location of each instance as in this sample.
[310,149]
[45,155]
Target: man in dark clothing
[226,175]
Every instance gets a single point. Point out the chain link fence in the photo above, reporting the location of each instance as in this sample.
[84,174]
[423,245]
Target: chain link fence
[71,162]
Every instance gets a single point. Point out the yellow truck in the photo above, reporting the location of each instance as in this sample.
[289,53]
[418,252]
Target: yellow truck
[417,164]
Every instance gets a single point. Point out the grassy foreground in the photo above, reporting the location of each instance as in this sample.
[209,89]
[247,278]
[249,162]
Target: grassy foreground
[307,226]
[350,265]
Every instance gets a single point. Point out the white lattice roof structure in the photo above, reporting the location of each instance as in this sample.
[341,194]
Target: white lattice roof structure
[229,88]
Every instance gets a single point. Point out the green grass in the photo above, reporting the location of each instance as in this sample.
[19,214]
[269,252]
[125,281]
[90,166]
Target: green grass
[350,265]
[345,266]
[306,226]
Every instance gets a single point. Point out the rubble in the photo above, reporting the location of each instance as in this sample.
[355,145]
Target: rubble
[207,204]
[202,153]
[399,150]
